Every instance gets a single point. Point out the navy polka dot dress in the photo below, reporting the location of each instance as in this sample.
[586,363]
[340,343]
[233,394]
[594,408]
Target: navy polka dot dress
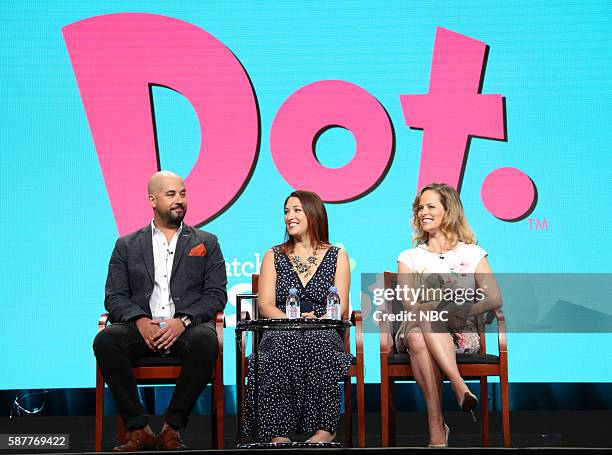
[298,370]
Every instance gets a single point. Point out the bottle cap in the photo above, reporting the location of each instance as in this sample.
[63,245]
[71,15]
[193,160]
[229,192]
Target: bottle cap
[293,291]
[333,289]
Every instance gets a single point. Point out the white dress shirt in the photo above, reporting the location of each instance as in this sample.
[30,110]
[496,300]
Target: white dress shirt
[160,302]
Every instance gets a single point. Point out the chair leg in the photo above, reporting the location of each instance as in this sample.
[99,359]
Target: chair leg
[392,417]
[505,402]
[384,410]
[219,405]
[218,413]
[361,410]
[221,417]
[99,408]
[213,420]
[484,411]
[348,413]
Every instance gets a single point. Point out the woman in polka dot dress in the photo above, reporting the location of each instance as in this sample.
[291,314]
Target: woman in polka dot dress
[298,373]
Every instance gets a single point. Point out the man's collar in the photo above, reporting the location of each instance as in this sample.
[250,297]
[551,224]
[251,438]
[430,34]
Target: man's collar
[157,231]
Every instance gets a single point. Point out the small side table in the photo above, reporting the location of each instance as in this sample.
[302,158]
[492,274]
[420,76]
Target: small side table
[259,326]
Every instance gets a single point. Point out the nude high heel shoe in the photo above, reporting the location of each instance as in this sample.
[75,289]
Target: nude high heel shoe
[439,446]
[467,404]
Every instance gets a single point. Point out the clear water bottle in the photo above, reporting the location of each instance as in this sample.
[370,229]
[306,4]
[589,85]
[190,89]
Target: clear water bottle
[333,304]
[163,324]
[292,307]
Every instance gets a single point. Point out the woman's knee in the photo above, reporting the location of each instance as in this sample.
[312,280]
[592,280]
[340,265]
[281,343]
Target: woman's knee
[416,343]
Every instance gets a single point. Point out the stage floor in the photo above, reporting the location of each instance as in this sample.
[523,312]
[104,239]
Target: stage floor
[530,429]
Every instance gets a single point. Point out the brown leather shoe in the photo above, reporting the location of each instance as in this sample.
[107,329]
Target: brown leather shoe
[169,439]
[136,440]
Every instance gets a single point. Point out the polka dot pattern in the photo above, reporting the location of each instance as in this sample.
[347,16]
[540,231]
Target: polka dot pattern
[299,371]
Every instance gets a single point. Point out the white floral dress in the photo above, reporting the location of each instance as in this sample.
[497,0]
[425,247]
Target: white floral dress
[458,265]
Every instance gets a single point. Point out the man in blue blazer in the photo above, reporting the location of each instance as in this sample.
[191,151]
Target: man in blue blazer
[165,283]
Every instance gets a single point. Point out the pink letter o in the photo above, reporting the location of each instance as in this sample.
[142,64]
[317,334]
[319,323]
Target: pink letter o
[316,107]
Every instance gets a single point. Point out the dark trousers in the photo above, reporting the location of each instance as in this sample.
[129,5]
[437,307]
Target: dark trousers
[118,344]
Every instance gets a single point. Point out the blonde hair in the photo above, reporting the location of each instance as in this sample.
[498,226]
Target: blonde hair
[454,224]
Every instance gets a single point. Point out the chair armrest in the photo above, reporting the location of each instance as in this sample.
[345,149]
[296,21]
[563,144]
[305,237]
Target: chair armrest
[103,321]
[347,335]
[384,328]
[357,320]
[386,341]
[501,330]
[386,346]
[219,324]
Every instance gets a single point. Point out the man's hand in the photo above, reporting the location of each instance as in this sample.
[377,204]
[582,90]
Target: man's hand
[168,335]
[149,329]
[309,315]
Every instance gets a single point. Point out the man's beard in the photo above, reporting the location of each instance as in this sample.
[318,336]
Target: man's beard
[173,218]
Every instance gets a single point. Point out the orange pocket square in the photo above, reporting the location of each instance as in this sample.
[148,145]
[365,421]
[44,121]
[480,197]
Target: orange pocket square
[198,250]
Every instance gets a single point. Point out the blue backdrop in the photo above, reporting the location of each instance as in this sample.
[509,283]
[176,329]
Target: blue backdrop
[551,60]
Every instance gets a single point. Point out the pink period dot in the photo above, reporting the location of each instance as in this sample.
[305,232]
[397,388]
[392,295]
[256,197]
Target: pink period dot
[508,194]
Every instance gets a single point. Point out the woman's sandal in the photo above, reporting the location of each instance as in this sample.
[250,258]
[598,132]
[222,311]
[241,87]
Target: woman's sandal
[467,404]
[309,440]
[439,446]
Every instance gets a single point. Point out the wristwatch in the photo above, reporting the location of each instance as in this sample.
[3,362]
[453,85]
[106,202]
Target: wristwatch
[186,320]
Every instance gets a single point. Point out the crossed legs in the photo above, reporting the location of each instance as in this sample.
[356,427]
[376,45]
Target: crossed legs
[433,357]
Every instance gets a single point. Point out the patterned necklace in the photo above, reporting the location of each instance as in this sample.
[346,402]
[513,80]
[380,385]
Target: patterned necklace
[304,269]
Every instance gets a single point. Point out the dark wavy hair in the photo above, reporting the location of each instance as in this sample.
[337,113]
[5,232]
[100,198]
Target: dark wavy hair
[316,215]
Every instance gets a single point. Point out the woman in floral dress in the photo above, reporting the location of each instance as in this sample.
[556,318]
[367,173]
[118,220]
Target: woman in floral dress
[445,259]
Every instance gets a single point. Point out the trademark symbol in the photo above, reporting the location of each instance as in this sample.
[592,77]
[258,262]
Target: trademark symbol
[537,224]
